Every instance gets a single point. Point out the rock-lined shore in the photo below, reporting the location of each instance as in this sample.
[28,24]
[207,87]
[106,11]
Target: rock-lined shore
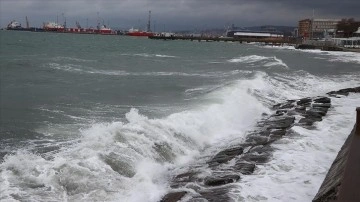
[228,165]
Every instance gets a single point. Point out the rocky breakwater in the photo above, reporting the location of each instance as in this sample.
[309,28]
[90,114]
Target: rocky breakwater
[215,180]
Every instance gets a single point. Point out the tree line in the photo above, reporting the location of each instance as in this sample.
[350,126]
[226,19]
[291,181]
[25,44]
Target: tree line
[347,27]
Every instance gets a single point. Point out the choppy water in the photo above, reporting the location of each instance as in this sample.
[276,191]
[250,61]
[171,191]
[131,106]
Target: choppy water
[111,118]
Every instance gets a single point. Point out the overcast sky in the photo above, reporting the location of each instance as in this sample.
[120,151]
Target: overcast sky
[175,14]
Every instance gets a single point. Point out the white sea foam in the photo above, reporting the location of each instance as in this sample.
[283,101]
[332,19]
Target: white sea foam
[248,59]
[345,57]
[284,47]
[67,67]
[348,57]
[165,56]
[301,161]
[277,62]
[62,58]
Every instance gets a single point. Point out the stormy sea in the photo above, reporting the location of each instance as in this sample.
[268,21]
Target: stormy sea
[116,118]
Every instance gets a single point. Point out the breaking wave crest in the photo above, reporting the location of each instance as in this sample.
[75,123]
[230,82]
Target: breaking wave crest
[260,60]
[147,55]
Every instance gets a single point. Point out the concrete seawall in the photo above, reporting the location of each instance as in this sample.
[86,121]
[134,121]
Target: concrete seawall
[342,182]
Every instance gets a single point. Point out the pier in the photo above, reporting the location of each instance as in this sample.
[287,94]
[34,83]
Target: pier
[273,41]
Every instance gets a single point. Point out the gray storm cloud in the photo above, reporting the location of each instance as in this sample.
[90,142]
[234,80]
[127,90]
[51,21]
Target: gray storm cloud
[176,14]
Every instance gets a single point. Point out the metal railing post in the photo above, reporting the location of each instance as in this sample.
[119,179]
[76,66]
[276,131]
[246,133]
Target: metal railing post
[357,130]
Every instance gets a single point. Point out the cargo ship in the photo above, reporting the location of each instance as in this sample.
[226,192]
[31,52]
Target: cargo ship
[15,25]
[54,27]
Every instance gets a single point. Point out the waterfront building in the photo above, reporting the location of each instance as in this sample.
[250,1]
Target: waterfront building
[352,42]
[304,28]
[317,28]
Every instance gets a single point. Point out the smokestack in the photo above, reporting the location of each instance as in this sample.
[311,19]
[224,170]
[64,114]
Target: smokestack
[148,29]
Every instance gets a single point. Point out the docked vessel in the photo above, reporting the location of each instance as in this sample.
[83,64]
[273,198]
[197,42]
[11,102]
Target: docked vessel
[58,28]
[53,27]
[138,32]
[14,25]
[104,30]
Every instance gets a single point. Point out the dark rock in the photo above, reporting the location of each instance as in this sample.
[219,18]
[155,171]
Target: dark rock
[313,114]
[234,151]
[304,101]
[292,112]
[338,93]
[184,178]
[188,176]
[276,106]
[345,91]
[264,133]
[261,149]
[322,109]
[300,109]
[308,121]
[227,154]
[323,100]
[280,112]
[280,123]
[173,196]
[278,133]
[213,194]
[287,106]
[257,158]
[244,168]
[325,105]
[273,138]
[257,140]
[221,180]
